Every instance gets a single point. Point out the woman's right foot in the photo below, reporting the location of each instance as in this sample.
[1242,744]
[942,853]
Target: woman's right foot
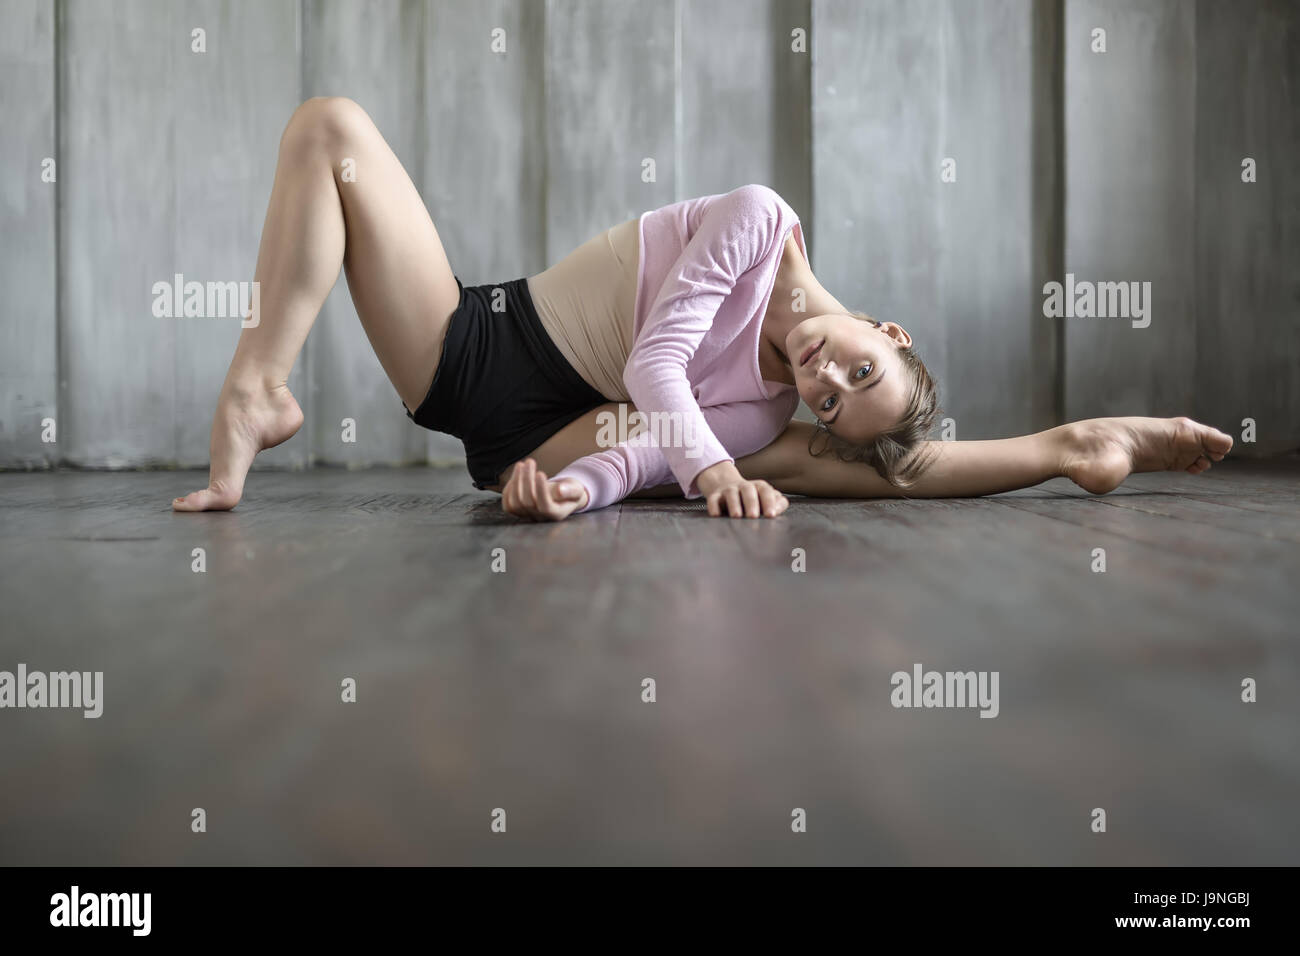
[247,421]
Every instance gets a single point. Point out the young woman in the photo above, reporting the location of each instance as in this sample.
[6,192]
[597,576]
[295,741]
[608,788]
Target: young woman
[704,315]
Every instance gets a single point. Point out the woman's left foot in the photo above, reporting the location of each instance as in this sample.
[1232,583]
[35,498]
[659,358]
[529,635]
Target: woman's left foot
[1102,452]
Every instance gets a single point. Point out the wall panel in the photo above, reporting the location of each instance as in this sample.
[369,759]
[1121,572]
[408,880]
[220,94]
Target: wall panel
[28,336]
[1247,284]
[610,105]
[1129,187]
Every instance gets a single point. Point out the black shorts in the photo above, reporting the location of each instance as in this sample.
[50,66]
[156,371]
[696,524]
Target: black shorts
[502,387]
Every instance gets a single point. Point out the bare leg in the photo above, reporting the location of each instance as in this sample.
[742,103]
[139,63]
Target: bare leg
[1097,454]
[378,229]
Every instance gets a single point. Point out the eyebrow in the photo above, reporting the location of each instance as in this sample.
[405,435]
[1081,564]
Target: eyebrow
[840,407]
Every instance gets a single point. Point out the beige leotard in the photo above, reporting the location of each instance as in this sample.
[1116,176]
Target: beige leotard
[587,304]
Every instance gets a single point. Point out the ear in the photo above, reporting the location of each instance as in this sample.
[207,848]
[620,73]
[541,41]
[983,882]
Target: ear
[896,332]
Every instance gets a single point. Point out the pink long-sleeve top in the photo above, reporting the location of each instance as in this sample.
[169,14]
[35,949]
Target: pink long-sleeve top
[705,276]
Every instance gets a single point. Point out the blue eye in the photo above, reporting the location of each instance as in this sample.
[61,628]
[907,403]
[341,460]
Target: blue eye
[828,404]
[863,372]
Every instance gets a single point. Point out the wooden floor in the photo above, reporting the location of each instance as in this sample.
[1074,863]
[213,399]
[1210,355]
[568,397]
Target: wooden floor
[523,690]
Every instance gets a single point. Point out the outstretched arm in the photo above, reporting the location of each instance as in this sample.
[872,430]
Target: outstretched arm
[1097,454]
[640,462]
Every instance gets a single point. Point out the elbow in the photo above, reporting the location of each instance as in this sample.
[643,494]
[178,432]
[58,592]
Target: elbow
[764,201]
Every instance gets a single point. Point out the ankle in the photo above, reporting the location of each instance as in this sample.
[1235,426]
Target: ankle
[246,389]
[1067,446]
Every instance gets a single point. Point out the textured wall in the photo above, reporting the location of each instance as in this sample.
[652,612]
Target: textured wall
[28,307]
[166,162]
[1122,165]
[1246,272]
[1130,182]
[902,87]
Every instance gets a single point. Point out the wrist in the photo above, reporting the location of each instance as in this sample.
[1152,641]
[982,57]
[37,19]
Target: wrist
[717,475]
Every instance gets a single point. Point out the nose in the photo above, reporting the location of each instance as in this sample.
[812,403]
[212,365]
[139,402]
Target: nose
[828,372]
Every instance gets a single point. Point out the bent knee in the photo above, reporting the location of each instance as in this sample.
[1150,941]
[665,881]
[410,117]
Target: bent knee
[325,123]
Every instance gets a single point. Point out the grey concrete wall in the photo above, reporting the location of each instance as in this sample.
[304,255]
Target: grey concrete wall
[28,330]
[611,115]
[1122,165]
[877,141]
[1247,244]
[167,157]
[999,373]
[117,230]
[1130,116]
[901,87]
[744,93]
[228,107]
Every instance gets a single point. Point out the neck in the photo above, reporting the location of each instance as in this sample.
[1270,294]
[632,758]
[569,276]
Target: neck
[794,274]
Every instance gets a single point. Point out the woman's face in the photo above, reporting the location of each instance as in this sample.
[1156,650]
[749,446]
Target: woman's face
[849,373]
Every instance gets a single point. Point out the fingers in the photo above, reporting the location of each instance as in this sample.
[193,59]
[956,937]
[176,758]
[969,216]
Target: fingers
[543,494]
[750,499]
[732,496]
[526,495]
[512,494]
[530,494]
[774,503]
[508,495]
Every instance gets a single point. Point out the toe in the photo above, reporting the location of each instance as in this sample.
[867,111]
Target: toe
[208,499]
[188,503]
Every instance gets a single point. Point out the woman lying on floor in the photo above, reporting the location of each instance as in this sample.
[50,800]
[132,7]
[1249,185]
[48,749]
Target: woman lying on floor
[703,314]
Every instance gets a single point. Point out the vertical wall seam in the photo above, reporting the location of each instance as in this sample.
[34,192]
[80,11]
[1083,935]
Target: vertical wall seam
[547,11]
[1047,68]
[944,206]
[1059,196]
[810,225]
[175,232]
[56,459]
[422,131]
[679,177]
[1196,211]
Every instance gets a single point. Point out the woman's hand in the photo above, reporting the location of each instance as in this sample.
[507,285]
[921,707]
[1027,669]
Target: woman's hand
[727,491]
[528,494]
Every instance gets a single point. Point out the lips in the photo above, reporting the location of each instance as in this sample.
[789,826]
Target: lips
[810,352]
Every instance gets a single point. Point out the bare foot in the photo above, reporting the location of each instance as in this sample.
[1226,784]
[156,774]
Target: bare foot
[1102,452]
[247,421]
